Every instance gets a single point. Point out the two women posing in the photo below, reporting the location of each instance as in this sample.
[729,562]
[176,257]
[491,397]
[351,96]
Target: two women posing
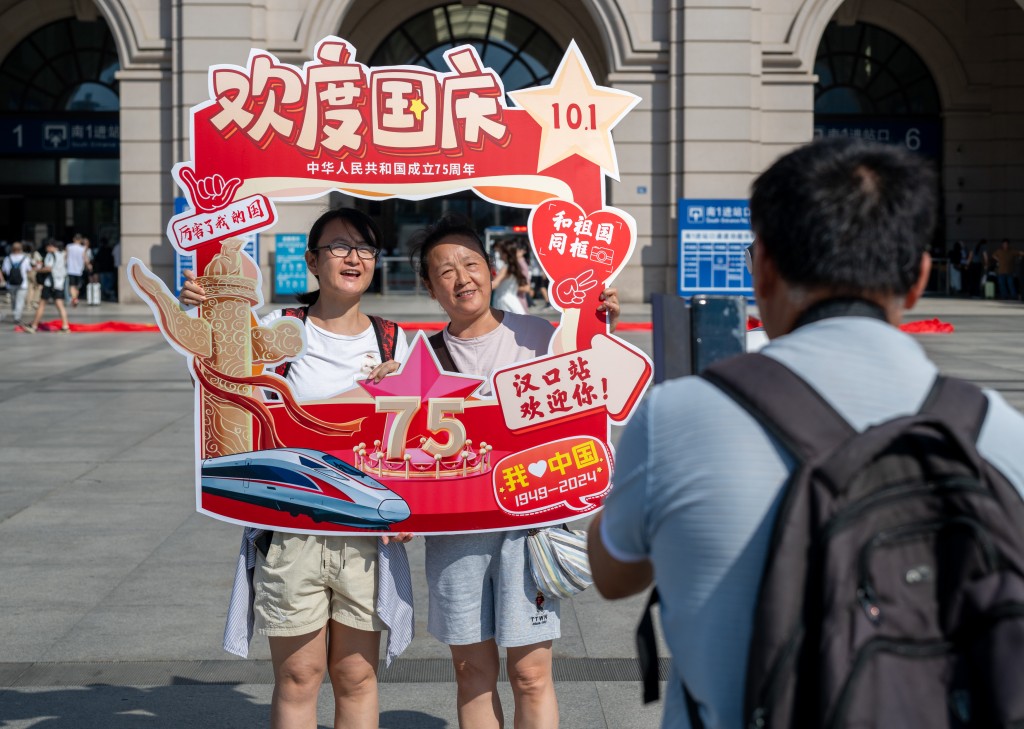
[321,615]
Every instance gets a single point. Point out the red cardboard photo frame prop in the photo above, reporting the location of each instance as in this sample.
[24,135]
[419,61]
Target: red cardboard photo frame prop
[422,451]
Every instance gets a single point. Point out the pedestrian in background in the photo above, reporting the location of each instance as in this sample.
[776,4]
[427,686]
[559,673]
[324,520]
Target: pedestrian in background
[977,266]
[1006,266]
[957,258]
[54,275]
[75,256]
[35,286]
[103,269]
[508,278]
[538,282]
[91,279]
[17,270]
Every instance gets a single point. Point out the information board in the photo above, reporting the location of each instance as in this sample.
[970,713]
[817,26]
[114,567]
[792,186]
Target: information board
[918,135]
[290,263]
[713,235]
[81,135]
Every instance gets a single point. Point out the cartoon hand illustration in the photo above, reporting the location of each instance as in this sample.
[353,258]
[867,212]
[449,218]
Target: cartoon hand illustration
[209,193]
[573,291]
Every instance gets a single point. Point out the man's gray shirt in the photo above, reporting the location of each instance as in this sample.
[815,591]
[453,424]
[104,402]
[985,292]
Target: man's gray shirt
[697,484]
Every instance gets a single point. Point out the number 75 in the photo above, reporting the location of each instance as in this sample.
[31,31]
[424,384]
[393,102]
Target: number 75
[439,412]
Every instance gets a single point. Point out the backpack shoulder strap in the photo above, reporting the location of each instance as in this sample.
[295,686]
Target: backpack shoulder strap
[441,351]
[299,312]
[782,402]
[387,335]
[959,403]
[647,657]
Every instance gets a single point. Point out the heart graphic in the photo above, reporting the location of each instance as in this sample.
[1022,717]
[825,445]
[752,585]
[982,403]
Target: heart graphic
[579,251]
[538,469]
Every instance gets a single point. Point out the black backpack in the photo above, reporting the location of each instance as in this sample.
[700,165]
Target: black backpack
[893,589]
[14,278]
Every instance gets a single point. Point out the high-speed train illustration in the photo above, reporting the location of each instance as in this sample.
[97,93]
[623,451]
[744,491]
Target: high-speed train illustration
[305,481]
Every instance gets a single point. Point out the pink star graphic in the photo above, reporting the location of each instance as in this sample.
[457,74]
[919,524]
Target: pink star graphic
[421,375]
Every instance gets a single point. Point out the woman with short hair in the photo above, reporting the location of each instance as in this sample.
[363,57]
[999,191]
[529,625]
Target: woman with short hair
[482,595]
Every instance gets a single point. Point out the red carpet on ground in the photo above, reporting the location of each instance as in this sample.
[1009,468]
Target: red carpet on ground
[624,326]
[926,326]
[125,326]
[101,326]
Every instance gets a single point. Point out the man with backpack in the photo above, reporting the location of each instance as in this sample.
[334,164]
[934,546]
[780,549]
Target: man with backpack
[836,533]
[17,268]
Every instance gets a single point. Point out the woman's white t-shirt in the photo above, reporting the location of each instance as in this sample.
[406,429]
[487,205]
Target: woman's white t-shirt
[334,362]
[58,269]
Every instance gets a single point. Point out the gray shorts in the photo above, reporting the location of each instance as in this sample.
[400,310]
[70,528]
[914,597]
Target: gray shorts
[481,588]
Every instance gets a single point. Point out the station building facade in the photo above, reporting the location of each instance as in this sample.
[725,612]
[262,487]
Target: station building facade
[95,97]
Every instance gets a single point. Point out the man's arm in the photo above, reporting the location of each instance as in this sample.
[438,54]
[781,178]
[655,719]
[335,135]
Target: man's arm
[614,579]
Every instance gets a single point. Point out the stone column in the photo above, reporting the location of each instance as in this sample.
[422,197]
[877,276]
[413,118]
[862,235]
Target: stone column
[146,196]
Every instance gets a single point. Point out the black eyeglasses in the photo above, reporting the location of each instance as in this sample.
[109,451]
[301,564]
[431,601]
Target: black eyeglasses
[341,250]
[748,258]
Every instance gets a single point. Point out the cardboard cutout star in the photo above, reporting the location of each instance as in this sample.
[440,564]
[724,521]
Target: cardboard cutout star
[421,375]
[576,115]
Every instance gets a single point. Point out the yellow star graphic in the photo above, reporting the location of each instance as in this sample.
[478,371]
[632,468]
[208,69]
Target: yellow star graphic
[417,107]
[576,115]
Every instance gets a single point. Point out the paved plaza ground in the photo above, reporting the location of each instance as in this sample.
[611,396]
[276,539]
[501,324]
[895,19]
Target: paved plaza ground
[113,589]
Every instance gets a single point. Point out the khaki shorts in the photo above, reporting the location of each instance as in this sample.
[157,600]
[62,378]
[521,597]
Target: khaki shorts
[306,579]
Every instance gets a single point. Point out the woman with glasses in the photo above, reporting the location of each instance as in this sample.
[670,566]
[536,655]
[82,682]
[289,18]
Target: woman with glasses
[317,597]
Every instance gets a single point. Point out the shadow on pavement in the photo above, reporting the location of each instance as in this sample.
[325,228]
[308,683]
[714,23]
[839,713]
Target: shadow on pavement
[410,720]
[185,704]
[127,707]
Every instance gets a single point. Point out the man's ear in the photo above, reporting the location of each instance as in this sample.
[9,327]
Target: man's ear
[921,284]
[765,274]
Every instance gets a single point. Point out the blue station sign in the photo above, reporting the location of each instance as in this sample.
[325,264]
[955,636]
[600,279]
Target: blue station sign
[83,135]
[713,237]
[290,263]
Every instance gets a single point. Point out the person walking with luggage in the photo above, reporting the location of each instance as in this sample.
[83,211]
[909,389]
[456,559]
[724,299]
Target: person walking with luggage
[90,276]
[17,270]
[482,595]
[842,229]
[103,268]
[53,276]
[321,599]
[76,255]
